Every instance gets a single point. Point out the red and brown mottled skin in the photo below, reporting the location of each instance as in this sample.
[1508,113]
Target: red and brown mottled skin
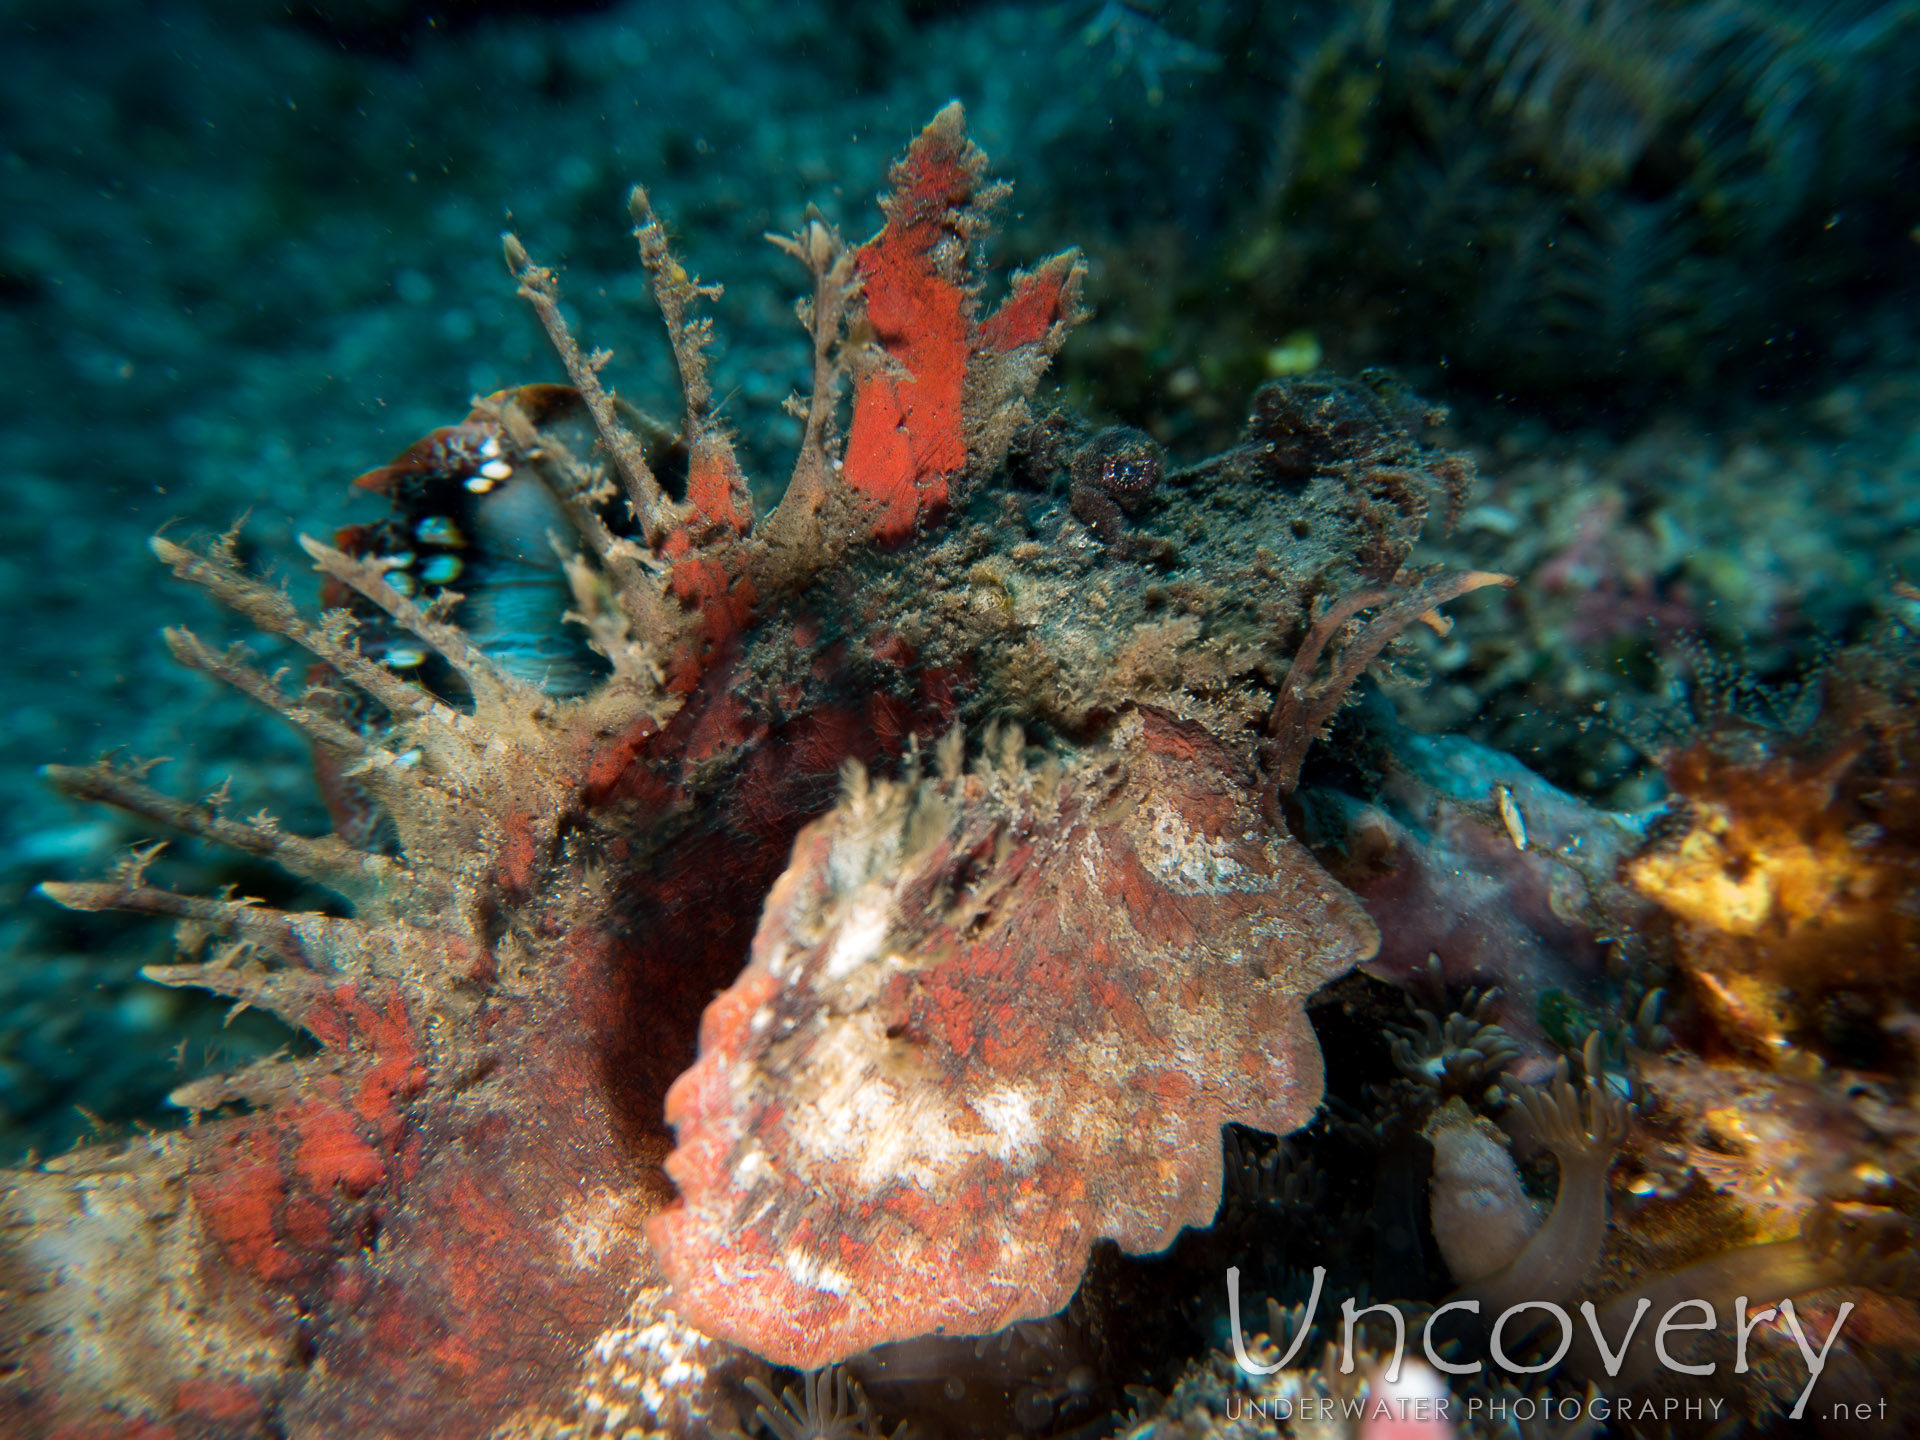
[420,1230]
[987,1021]
[909,439]
[436,1224]
[399,1221]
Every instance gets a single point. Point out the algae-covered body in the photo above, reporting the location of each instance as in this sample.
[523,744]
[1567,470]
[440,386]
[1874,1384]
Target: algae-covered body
[458,1216]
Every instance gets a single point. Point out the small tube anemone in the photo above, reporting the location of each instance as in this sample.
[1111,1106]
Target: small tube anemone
[1480,1216]
[1582,1138]
[828,1406]
[1461,1056]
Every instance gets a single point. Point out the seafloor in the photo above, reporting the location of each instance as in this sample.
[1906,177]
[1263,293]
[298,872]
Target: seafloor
[248,253]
